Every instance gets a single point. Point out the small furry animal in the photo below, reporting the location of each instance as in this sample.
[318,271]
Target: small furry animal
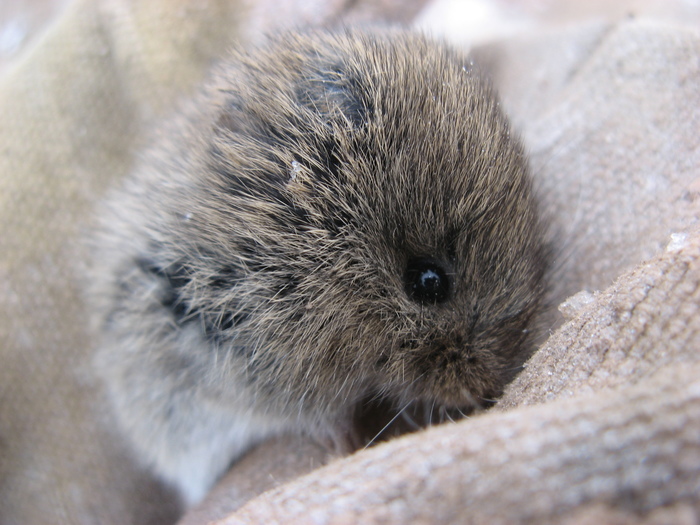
[338,216]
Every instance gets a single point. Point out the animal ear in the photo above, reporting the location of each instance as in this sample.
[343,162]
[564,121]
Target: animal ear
[172,280]
[336,94]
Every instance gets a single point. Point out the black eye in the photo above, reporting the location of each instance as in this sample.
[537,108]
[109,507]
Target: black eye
[427,281]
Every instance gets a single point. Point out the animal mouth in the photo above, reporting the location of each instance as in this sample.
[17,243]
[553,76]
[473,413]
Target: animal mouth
[379,419]
[443,383]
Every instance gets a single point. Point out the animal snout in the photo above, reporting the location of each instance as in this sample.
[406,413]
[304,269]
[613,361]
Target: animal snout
[453,350]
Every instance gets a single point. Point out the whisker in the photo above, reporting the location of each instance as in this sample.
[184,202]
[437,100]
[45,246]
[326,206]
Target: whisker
[510,369]
[447,416]
[411,422]
[432,412]
[387,425]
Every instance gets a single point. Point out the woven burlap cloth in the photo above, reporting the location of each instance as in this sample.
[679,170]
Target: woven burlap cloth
[602,426]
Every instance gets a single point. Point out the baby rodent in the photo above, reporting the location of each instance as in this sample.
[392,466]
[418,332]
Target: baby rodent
[338,215]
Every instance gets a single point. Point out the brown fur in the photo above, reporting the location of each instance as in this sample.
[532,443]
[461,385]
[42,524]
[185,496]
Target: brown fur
[256,273]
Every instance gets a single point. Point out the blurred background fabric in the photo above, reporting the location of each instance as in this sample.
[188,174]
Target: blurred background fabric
[607,99]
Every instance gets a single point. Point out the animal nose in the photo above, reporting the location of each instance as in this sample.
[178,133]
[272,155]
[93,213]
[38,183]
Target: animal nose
[453,350]
[452,343]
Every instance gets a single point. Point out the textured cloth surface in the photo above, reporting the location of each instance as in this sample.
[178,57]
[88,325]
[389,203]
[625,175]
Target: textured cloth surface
[609,111]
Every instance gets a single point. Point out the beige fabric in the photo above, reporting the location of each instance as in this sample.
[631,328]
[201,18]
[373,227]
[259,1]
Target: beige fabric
[610,113]
[542,464]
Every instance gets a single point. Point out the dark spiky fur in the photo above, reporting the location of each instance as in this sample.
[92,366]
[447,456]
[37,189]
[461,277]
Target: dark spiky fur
[252,276]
